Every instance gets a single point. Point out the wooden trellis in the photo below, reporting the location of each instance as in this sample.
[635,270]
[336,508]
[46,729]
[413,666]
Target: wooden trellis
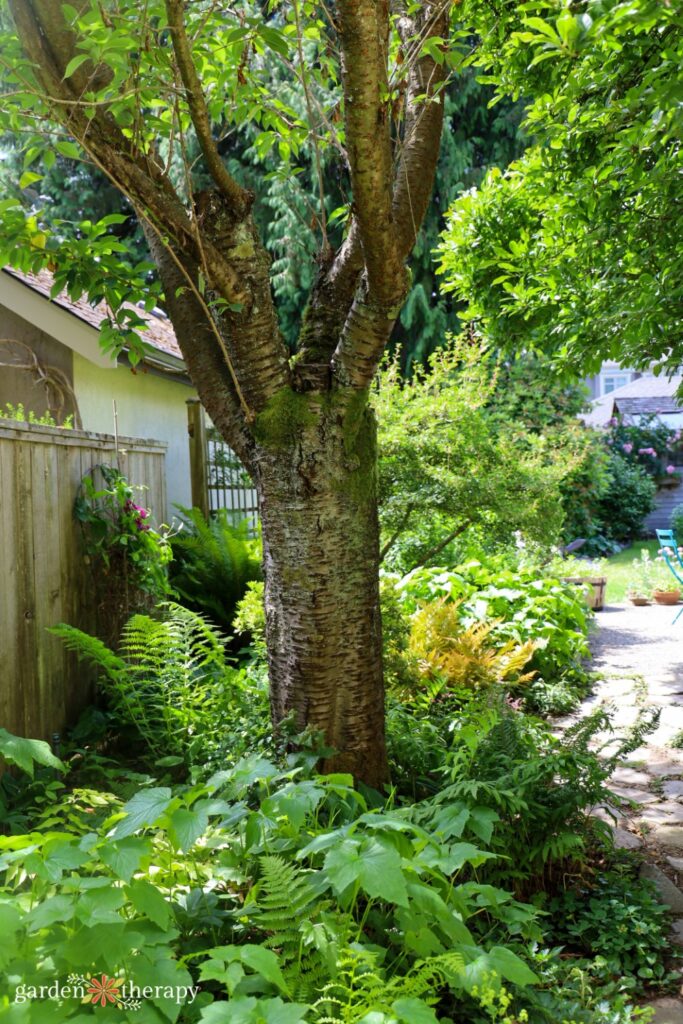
[219,480]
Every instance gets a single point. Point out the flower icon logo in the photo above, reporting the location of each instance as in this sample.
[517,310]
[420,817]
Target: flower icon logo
[105,990]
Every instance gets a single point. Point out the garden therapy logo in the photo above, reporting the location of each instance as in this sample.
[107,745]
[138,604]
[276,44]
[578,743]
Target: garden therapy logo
[106,990]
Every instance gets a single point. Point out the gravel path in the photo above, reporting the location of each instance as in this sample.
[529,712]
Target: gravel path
[639,652]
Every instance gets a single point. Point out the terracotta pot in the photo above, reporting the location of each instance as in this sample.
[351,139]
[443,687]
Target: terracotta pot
[640,602]
[666,596]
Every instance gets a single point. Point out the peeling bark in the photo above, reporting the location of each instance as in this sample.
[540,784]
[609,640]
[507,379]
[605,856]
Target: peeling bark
[318,506]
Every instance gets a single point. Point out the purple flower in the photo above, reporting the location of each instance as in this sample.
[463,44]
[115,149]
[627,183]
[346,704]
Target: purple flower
[646,451]
[670,469]
[628,448]
[613,422]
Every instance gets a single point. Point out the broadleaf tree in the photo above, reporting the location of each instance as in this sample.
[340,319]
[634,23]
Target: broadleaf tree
[134,85]
[576,250]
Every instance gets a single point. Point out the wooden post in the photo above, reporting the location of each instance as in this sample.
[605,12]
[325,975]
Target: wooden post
[196,428]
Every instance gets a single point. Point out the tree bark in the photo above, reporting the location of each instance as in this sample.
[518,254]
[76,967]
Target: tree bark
[316,476]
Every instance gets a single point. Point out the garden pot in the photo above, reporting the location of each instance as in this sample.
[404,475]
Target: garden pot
[594,589]
[666,596]
[639,602]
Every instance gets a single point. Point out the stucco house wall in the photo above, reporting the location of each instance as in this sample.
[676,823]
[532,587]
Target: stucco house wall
[148,405]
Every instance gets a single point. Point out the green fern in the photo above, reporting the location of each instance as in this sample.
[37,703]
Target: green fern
[361,988]
[170,680]
[294,922]
[213,561]
[91,649]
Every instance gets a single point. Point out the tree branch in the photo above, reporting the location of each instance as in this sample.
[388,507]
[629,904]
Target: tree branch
[226,247]
[438,548]
[330,300]
[365,335]
[207,367]
[423,124]
[199,113]
[363,29]
[137,175]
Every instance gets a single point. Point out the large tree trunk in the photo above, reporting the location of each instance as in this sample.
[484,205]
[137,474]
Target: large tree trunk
[316,475]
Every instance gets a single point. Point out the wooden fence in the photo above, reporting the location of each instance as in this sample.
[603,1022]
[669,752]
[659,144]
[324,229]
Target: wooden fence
[219,480]
[44,577]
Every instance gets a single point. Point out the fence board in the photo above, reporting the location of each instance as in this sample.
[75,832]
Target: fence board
[44,578]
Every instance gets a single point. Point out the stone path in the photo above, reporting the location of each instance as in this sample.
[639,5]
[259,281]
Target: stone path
[640,655]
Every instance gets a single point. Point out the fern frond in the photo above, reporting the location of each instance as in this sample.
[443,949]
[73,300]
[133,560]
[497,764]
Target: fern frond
[468,657]
[90,648]
[284,908]
[169,675]
[361,986]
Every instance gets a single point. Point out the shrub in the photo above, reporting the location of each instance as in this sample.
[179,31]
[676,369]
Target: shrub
[213,563]
[531,791]
[526,605]
[677,522]
[629,499]
[649,444]
[448,469]
[585,483]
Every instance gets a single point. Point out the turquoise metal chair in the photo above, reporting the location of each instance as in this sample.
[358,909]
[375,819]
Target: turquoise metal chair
[669,547]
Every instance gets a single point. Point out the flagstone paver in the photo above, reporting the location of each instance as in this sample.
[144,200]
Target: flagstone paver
[640,654]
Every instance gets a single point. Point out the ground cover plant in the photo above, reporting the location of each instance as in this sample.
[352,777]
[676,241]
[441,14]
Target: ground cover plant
[522,606]
[258,891]
[263,893]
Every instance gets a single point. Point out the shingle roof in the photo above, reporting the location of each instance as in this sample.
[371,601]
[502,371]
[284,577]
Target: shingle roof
[646,405]
[159,334]
[639,397]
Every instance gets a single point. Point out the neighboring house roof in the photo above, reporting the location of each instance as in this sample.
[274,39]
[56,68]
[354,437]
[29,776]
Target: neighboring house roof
[159,333]
[643,396]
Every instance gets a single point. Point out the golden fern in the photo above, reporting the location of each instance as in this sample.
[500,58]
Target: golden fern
[466,658]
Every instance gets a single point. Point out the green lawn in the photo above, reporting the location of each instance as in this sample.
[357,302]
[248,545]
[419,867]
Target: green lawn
[618,569]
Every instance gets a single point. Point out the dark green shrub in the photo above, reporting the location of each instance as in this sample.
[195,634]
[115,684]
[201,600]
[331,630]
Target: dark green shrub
[628,500]
[677,522]
[212,564]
